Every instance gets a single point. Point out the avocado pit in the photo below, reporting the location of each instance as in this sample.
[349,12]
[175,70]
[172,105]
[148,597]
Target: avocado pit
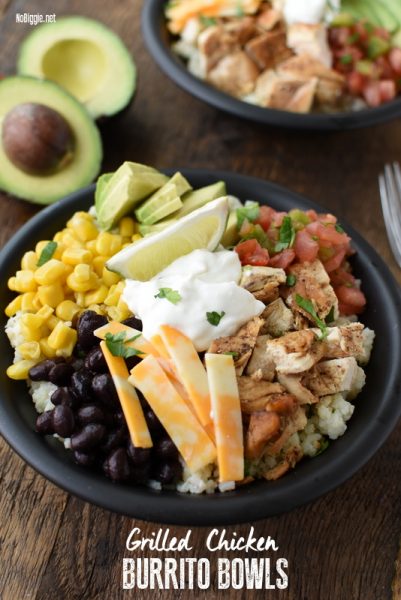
[37,139]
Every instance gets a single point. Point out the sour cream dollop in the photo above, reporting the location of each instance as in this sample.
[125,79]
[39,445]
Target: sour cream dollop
[310,12]
[207,282]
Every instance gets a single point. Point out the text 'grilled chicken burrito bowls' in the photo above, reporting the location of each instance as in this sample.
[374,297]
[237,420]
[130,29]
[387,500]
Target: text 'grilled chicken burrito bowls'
[179,338]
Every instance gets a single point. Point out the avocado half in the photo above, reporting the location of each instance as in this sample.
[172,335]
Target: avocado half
[84,57]
[84,164]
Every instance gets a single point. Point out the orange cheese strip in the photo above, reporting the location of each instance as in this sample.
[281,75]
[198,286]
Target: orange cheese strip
[129,400]
[141,343]
[188,435]
[190,370]
[227,418]
[158,343]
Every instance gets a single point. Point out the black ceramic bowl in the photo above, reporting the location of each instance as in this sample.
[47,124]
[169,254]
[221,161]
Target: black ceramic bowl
[377,408]
[159,41]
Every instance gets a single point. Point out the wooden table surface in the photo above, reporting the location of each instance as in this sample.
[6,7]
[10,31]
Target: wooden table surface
[345,546]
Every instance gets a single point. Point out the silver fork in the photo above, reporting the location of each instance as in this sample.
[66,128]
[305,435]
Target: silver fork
[390,195]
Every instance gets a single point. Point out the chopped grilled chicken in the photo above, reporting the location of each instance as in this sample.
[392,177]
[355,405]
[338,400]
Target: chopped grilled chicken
[311,40]
[313,283]
[214,44]
[331,376]
[241,30]
[300,322]
[263,282]
[235,74]
[294,386]
[268,18]
[304,67]
[259,367]
[242,344]
[292,456]
[277,92]
[269,49]
[255,395]
[295,422]
[283,403]
[294,352]
[347,340]
[278,318]
[263,426]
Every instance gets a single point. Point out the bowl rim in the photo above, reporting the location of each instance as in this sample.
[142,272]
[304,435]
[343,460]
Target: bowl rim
[152,24]
[249,503]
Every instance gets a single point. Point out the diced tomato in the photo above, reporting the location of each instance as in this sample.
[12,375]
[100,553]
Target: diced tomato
[388,90]
[312,214]
[339,36]
[347,309]
[278,218]
[266,215]
[351,296]
[362,31]
[335,261]
[384,68]
[382,33]
[283,260]
[251,252]
[328,218]
[356,83]
[341,277]
[305,247]
[327,233]
[372,94]
[394,58]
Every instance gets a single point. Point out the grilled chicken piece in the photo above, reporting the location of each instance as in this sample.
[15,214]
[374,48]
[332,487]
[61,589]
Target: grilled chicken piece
[268,18]
[269,49]
[259,366]
[294,352]
[255,395]
[293,384]
[331,376]
[241,30]
[313,283]
[263,426]
[263,282]
[295,422]
[304,68]
[346,340]
[311,40]
[214,44]
[277,92]
[235,74]
[292,457]
[278,318]
[242,344]
[283,403]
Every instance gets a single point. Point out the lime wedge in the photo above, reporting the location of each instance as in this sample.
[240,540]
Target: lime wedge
[202,228]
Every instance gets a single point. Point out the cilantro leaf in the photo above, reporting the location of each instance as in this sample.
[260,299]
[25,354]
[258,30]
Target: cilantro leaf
[47,253]
[291,280]
[330,316]
[207,21]
[214,317]
[308,307]
[250,212]
[286,235]
[171,295]
[324,444]
[116,344]
[346,59]
[256,233]
[240,9]
[233,354]
[338,228]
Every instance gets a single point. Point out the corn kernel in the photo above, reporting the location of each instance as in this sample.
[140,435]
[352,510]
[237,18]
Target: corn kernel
[53,270]
[58,237]
[67,310]
[136,237]
[45,312]
[108,244]
[29,261]
[97,296]
[53,321]
[29,350]
[40,246]
[62,336]
[25,281]
[59,251]
[14,306]
[52,295]
[122,305]
[109,277]
[91,246]
[20,369]
[98,264]
[11,283]
[82,273]
[30,334]
[127,227]
[75,256]
[82,286]
[112,297]
[96,308]
[80,299]
[46,349]
[84,215]
[70,241]
[84,229]
[29,302]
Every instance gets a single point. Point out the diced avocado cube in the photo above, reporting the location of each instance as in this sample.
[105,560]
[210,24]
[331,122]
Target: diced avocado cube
[198,198]
[230,236]
[343,20]
[147,229]
[174,188]
[377,46]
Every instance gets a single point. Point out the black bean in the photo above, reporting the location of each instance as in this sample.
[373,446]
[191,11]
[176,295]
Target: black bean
[77,363]
[141,473]
[40,372]
[63,420]
[88,322]
[153,422]
[61,374]
[88,437]
[116,465]
[95,361]
[90,413]
[81,384]
[63,395]
[132,361]
[104,390]
[114,439]
[166,449]
[138,456]
[168,472]
[133,322]
[44,422]
[84,459]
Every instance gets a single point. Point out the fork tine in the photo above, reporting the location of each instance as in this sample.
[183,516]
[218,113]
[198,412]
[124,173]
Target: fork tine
[386,203]
[394,198]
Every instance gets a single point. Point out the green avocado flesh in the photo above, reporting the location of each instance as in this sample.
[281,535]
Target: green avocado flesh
[382,13]
[84,164]
[163,202]
[86,58]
